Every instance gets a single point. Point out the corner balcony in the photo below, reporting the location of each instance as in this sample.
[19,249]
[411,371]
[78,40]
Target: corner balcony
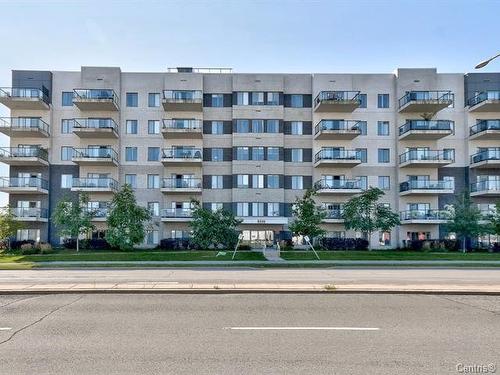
[486,188]
[182,156]
[487,101]
[325,186]
[333,216]
[422,129]
[336,129]
[181,185]
[337,101]
[182,128]
[416,187]
[24,127]
[424,159]
[24,156]
[94,185]
[30,214]
[96,100]
[95,128]
[24,185]
[24,98]
[183,100]
[485,129]
[176,214]
[337,158]
[424,217]
[488,158]
[425,101]
[95,156]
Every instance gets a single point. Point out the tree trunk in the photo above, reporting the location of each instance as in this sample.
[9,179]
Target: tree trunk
[77,244]
[369,241]
[464,249]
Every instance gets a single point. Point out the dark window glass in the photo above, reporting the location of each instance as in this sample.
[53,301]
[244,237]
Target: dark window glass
[132,99]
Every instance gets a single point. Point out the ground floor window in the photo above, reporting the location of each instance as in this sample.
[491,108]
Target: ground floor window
[28,234]
[418,236]
[179,234]
[254,236]
[384,238]
[335,234]
[152,237]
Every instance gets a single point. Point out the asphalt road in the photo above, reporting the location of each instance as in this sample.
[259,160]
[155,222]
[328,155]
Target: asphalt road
[237,334]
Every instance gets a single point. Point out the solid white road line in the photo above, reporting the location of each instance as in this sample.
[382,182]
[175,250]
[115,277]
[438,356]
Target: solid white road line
[5,328]
[303,328]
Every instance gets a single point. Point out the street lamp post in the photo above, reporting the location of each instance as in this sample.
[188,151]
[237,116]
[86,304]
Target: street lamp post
[482,64]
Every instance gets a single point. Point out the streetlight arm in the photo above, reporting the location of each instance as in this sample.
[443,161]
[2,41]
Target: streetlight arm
[482,64]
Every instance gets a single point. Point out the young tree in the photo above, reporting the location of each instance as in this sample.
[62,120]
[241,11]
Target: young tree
[8,225]
[364,213]
[213,228]
[72,218]
[126,220]
[307,216]
[465,219]
[495,220]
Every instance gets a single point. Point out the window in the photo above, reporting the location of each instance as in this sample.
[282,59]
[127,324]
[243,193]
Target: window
[131,127]
[216,206]
[363,100]
[153,99]
[384,238]
[66,153]
[297,182]
[258,98]
[217,182]
[257,126]
[130,153]
[28,234]
[363,182]
[362,154]
[242,153]
[242,98]
[383,101]
[131,179]
[257,209]
[242,126]
[132,99]
[153,181]
[384,182]
[449,153]
[297,155]
[273,98]
[153,153]
[154,208]
[217,154]
[273,209]
[152,237]
[242,181]
[272,126]
[217,127]
[66,126]
[297,128]
[362,127]
[273,153]
[67,98]
[383,128]
[241,209]
[66,181]
[257,153]
[383,155]
[217,100]
[153,127]
[296,101]
[273,181]
[258,181]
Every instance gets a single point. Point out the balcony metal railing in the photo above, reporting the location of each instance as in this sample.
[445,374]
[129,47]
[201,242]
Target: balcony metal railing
[181,153]
[184,183]
[430,155]
[26,213]
[426,185]
[334,214]
[23,182]
[484,125]
[96,94]
[97,153]
[20,92]
[32,123]
[426,96]
[489,154]
[426,125]
[95,123]
[24,152]
[340,125]
[337,184]
[425,215]
[337,96]
[483,96]
[328,154]
[486,185]
[177,212]
[182,124]
[183,96]
[97,183]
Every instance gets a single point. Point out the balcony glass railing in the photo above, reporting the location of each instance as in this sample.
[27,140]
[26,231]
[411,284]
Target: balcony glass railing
[97,212]
[327,154]
[338,96]
[425,215]
[427,96]
[98,153]
[177,212]
[484,125]
[95,183]
[30,212]
[183,96]
[95,123]
[181,153]
[426,185]
[24,123]
[334,214]
[489,154]
[422,155]
[23,182]
[337,184]
[486,185]
[183,124]
[96,94]
[184,183]
[426,125]
[339,125]
[24,152]
[20,93]
[483,96]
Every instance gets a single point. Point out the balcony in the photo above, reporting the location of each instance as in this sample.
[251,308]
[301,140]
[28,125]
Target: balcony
[424,217]
[24,98]
[30,214]
[486,188]
[24,185]
[422,187]
[336,129]
[176,214]
[422,129]
[182,128]
[487,101]
[183,100]
[181,185]
[95,156]
[337,158]
[96,99]
[337,101]
[98,214]
[425,101]
[333,216]
[485,129]
[24,156]
[94,185]
[425,159]
[182,156]
[24,127]
[488,158]
[343,186]
[95,128]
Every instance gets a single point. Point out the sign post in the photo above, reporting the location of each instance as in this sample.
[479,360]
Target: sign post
[309,243]
[240,237]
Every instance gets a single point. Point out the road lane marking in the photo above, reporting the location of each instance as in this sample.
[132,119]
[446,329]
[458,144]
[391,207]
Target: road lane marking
[5,328]
[303,328]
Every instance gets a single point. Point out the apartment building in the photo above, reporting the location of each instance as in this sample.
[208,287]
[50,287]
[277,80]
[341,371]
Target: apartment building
[250,143]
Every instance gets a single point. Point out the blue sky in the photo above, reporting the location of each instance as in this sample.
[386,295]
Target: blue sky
[248,36]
